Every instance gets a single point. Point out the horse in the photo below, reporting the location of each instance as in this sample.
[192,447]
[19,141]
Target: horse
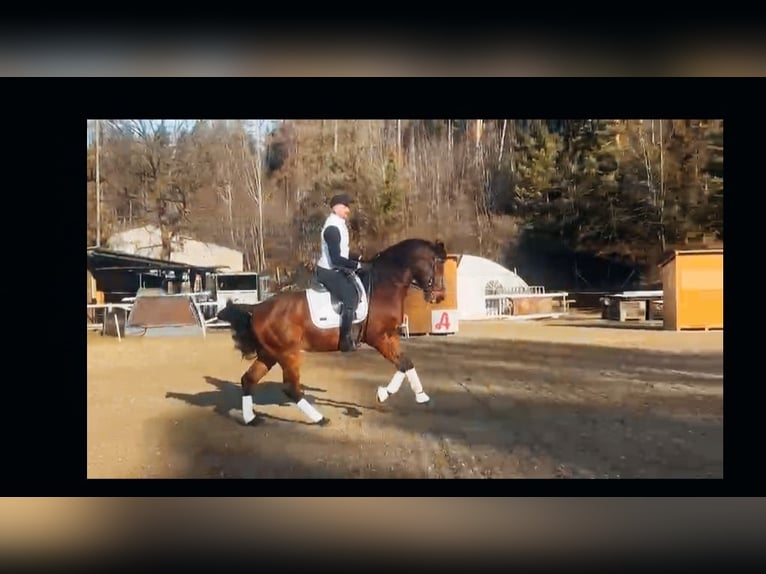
[279,328]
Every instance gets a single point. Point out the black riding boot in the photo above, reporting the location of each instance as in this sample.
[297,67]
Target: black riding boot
[346,342]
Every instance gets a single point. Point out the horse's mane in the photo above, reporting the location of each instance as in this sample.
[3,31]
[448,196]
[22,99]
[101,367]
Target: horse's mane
[402,249]
[391,260]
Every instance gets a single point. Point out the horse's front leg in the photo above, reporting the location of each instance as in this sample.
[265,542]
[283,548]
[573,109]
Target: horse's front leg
[388,346]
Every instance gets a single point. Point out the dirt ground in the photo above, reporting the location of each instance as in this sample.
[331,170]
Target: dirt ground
[565,398]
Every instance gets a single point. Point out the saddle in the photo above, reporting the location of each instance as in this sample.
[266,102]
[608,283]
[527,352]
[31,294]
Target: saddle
[319,287]
[325,308]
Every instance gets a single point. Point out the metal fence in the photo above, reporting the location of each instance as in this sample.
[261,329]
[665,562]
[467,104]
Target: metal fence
[499,304]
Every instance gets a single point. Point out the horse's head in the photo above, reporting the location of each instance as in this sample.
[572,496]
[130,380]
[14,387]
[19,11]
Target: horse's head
[428,271]
[421,260]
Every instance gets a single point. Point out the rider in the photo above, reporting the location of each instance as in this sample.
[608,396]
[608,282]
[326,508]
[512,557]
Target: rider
[336,266]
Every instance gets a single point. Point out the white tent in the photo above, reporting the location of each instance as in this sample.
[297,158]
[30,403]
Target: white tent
[146,241]
[478,277]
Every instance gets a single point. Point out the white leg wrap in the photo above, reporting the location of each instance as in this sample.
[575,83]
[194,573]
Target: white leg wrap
[309,410]
[382,394]
[422,397]
[396,382]
[415,384]
[417,387]
[247,408]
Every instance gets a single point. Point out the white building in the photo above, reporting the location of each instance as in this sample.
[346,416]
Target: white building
[478,278]
[146,241]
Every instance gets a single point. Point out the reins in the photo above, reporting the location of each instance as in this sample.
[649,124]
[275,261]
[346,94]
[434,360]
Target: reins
[363,330]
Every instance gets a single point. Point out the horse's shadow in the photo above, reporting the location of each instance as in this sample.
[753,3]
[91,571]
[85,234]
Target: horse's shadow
[227,396]
[352,409]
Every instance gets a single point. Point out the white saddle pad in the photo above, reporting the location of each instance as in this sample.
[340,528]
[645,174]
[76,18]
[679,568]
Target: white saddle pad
[324,316]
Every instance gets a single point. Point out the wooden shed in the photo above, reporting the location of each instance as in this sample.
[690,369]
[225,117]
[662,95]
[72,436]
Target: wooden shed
[440,318]
[692,285]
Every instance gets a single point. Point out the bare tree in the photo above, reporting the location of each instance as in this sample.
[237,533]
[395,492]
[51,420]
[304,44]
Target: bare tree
[252,164]
[164,198]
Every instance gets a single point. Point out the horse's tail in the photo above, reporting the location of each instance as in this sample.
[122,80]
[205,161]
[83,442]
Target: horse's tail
[240,321]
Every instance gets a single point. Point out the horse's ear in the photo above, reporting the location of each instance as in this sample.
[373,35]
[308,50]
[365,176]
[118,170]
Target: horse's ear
[439,244]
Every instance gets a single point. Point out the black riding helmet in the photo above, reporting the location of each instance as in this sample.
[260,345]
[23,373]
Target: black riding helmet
[342,199]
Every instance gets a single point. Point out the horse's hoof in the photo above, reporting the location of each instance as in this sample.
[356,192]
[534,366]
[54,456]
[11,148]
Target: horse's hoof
[324,422]
[250,421]
[422,399]
[382,394]
[238,416]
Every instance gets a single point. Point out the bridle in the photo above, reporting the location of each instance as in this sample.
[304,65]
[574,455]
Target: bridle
[429,288]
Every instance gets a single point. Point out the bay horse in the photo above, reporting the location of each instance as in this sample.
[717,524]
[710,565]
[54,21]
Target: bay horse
[277,329]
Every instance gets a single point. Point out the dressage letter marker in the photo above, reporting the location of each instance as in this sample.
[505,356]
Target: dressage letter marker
[443,322]
[247,409]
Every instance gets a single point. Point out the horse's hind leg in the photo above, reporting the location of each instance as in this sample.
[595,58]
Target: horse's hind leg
[388,346]
[255,373]
[291,374]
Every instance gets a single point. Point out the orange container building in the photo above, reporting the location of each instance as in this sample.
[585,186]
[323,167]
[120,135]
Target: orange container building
[692,285]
